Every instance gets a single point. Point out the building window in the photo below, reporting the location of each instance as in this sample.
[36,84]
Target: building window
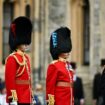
[7,17]
[27,11]
[86,34]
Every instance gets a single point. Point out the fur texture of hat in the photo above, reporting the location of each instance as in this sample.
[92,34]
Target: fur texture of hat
[20,32]
[60,42]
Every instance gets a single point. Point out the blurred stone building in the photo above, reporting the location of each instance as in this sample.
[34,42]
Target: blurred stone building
[86,20]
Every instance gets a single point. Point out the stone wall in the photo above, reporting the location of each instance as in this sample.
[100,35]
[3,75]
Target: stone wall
[57,14]
[95,36]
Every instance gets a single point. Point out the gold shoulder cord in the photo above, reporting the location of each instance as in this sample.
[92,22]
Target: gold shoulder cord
[21,64]
[19,74]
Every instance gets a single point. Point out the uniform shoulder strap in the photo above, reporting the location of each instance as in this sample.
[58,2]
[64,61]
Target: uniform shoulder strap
[17,59]
[9,56]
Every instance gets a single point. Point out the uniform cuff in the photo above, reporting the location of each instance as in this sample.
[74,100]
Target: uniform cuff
[13,96]
[51,99]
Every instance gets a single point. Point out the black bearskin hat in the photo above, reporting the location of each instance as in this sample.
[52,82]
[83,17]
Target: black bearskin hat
[73,65]
[60,42]
[102,62]
[20,32]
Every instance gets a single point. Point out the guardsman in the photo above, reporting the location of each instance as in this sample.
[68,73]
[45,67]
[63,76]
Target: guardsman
[59,78]
[17,67]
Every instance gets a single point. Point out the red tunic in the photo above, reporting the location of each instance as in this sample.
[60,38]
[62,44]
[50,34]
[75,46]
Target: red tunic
[60,71]
[17,68]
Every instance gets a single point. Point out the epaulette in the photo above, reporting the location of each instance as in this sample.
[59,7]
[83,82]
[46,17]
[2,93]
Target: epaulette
[17,60]
[8,56]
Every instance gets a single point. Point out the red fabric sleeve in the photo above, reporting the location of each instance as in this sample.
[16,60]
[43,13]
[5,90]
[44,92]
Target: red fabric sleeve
[10,74]
[51,80]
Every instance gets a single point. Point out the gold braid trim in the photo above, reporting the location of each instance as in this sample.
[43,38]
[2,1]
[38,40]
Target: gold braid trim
[18,70]
[19,74]
[20,63]
[51,99]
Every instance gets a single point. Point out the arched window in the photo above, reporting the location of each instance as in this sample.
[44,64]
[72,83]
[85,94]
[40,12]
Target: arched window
[27,11]
[86,33]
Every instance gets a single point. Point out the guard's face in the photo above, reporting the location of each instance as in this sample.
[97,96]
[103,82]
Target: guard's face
[64,55]
[23,47]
